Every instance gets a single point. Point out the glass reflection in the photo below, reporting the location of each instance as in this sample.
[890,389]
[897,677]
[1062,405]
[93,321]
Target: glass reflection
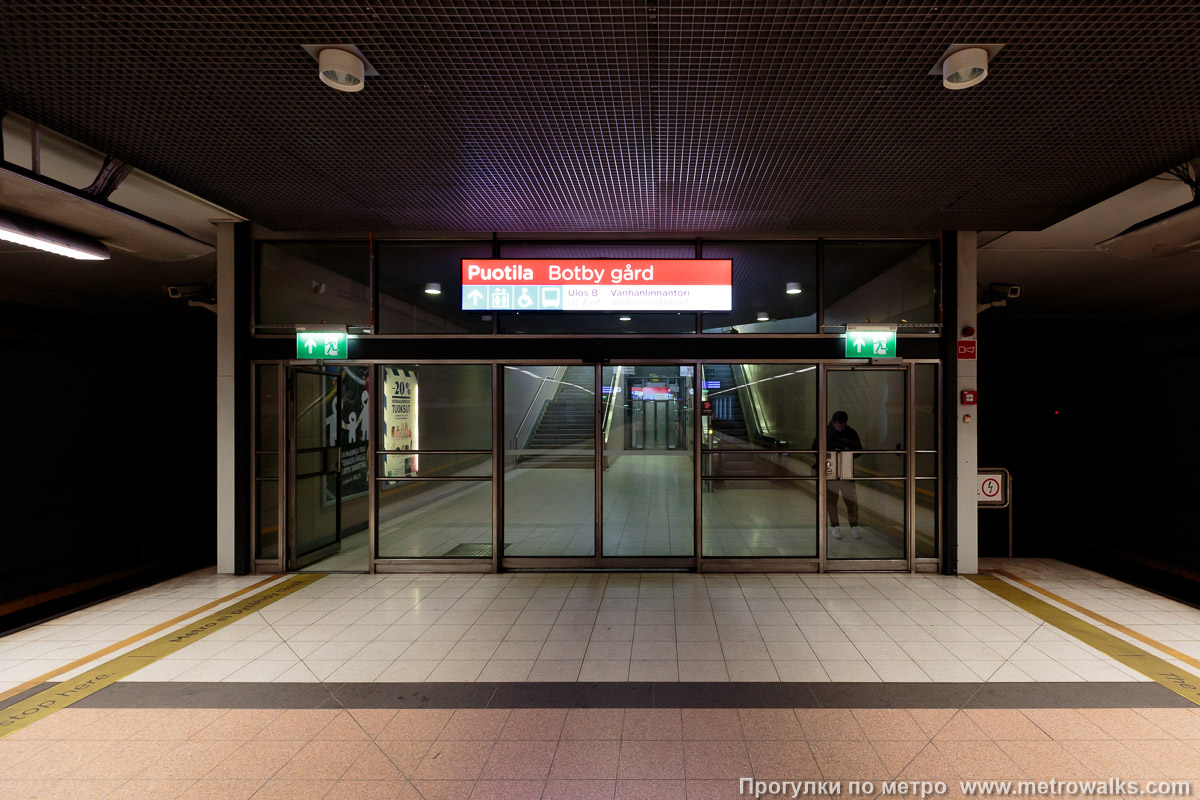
[549,461]
[748,518]
[646,421]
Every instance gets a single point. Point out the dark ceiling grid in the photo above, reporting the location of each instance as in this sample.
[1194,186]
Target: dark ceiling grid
[519,116]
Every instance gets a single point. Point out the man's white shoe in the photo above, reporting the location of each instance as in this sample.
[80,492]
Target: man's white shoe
[837,531]
[854,531]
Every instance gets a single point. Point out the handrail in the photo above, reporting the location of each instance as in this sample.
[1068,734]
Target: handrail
[523,429]
[612,402]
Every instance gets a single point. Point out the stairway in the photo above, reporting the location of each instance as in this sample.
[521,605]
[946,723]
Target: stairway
[567,422]
[727,419]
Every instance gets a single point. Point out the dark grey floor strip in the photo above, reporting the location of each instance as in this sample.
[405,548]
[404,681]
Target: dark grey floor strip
[138,694]
[16,698]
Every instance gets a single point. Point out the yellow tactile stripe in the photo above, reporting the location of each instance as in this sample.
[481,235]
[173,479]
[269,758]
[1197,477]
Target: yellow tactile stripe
[1171,651]
[35,707]
[1179,681]
[112,648]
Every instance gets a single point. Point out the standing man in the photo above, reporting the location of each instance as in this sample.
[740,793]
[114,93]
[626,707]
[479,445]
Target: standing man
[840,436]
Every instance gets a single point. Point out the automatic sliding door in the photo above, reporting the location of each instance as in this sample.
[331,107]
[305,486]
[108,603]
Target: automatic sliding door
[549,461]
[646,419]
[866,438]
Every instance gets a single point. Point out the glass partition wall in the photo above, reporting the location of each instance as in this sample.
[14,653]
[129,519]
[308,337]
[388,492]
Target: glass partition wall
[739,466]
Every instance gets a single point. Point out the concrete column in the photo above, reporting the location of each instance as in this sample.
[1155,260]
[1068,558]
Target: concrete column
[967,462]
[226,398]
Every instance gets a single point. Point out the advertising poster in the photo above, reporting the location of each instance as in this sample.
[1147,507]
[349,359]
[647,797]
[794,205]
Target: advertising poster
[400,421]
[353,419]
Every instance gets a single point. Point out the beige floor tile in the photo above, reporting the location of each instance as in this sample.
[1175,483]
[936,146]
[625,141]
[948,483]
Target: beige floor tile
[1170,759]
[256,759]
[848,760]
[961,727]
[221,790]
[372,720]
[897,755]
[534,723]
[642,760]
[293,790]
[1124,724]
[298,724]
[770,723]
[179,723]
[405,754]
[444,790]
[931,720]
[240,723]
[711,723]
[519,760]
[831,723]
[373,765]
[1063,724]
[586,760]
[475,723]
[1004,724]
[779,757]
[121,759]
[342,727]
[508,790]
[711,789]
[579,790]
[979,759]
[416,723]
[888,724]
[593,723]
[193,759]
[652,723]
[651,790]
[454,760]
[1183,722]
[373,790]
[1105,758]
[148,789]
[322,761]
[1044,760]
[716,760]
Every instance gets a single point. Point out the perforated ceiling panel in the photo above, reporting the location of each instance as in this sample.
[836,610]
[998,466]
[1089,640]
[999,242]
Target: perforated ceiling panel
[515,115]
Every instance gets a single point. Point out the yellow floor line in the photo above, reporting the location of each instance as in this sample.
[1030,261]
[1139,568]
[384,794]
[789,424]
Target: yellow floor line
[1171,651]
[1159,670]
[35,707]
[112,648]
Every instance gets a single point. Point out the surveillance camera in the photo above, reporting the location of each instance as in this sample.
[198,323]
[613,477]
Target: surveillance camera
[188,291]
[1006,290]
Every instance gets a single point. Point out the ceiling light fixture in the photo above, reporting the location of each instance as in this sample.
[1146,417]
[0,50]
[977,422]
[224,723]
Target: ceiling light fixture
[625,319]
[793,288]
[341,70]
[51,238]
[964,66]
[763,317]
[433,288]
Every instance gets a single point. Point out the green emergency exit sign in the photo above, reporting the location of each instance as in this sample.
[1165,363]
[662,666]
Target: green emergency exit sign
[870,344]
[321,344]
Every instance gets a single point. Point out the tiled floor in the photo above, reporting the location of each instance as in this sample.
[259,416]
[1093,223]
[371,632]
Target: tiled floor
[604,634]
[620,627]
[561,754]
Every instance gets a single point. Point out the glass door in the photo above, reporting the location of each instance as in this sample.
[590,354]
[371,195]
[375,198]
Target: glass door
[865,468]
[315,510]
[648,461]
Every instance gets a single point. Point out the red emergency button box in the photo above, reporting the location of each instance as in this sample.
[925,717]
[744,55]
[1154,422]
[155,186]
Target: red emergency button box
[968,398]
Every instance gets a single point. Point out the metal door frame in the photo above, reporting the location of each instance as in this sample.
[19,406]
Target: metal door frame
[292,561]
[906,562]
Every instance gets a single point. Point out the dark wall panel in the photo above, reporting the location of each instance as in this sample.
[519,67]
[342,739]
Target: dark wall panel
[1097,424]
[108,465]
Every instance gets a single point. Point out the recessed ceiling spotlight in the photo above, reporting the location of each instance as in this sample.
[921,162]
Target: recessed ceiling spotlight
[763,317]
[433,288]
[625,319]
[341,70]
[965,65]
[793,288]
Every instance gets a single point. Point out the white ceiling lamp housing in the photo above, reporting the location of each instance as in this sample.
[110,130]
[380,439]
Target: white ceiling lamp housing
[342,70]
[51,238]
[763,317]
[433,288]
[793,288]
[965,65]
